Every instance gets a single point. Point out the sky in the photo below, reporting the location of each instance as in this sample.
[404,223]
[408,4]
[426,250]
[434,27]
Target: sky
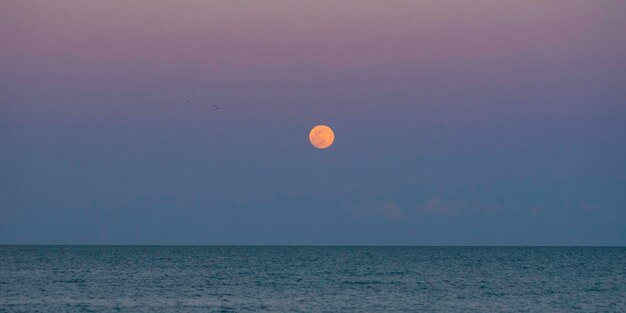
[456,122]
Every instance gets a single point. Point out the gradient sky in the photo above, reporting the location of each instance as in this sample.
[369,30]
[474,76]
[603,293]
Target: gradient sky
[456,122]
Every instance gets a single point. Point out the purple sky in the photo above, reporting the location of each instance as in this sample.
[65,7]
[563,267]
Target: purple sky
[456,122]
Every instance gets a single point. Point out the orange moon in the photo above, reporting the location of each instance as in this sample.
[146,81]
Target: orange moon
[321,136]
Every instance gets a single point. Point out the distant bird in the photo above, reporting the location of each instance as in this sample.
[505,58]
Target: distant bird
[216,107]
[187,100]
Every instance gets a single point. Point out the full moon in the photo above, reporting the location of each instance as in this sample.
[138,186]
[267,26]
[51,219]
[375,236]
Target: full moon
[321,136]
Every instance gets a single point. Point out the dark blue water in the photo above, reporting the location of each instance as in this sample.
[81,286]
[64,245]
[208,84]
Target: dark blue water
[311,279]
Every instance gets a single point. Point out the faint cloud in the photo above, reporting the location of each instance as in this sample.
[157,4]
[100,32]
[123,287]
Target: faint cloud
[440,207]
[433,207]
[391,210]
[535,210]
[387,209]
[587,206]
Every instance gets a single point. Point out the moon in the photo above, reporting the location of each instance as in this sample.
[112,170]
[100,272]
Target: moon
[321,136]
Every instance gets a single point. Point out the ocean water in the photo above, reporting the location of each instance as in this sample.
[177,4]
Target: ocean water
[311,279]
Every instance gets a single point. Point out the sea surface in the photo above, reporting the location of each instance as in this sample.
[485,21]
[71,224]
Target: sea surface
[311,279]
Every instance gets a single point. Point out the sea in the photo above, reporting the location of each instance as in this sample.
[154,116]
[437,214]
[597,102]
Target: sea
[311,279]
